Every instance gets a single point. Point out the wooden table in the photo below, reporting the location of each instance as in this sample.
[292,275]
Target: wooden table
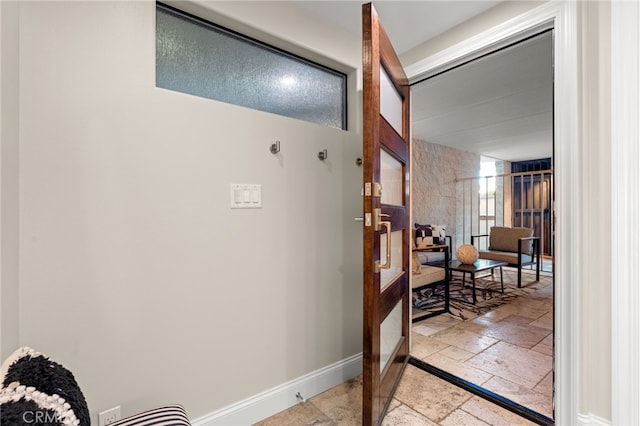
[433,248]
[473,268]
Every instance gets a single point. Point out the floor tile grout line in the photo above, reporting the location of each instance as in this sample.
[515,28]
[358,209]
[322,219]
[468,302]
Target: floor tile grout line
[529,388]
[493,375]
[471,414]
[501,401]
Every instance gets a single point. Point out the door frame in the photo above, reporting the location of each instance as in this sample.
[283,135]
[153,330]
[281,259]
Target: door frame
[625,102]
[562,17]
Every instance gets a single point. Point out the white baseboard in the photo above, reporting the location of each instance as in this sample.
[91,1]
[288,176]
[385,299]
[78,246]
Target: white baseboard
[274,400]
[592,420]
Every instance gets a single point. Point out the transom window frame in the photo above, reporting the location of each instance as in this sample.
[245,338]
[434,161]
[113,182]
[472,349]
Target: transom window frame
[255,42]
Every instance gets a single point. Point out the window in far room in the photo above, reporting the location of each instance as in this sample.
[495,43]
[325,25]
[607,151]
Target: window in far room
[200,58]
[487,198]
[487,171]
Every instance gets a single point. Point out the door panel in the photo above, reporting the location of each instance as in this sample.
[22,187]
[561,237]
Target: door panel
[391,179]
[390,102]
[386,232]
[390,335]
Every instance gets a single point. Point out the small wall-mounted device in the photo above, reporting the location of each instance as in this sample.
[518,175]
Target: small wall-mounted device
[246,196]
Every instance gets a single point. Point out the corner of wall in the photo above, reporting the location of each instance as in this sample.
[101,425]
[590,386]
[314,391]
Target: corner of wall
[9,134]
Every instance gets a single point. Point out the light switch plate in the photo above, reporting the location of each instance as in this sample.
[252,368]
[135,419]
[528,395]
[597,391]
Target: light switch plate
[246,196]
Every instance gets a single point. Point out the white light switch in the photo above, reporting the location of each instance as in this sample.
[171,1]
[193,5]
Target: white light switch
[246,196]
[255,195]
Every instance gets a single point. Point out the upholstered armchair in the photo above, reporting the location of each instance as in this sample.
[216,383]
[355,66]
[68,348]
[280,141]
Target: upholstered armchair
[516,246]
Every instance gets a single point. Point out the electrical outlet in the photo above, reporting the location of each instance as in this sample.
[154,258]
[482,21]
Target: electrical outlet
[109,416]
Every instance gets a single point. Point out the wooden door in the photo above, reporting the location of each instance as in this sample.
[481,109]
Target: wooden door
[386,150]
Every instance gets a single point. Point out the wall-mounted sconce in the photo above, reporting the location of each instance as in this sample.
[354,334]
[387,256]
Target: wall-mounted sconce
[275,147]
[322,155]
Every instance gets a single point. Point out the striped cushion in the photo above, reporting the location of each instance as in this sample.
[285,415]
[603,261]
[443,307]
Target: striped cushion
[169,415]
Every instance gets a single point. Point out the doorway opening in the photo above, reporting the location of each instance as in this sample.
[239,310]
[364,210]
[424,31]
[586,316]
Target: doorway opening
[496,109]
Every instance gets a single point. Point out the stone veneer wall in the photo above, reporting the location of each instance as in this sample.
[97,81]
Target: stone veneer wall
[433,192]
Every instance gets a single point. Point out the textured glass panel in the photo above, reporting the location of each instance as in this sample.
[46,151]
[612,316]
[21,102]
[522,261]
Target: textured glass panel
[201,59]
[390,102]
[390,334]
[387,276]
[391,179]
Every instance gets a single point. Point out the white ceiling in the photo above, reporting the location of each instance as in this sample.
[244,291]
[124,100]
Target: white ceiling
[499,106]
[425,19]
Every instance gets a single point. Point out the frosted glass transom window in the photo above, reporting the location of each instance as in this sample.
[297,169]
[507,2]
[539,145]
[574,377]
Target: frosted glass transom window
[200,58]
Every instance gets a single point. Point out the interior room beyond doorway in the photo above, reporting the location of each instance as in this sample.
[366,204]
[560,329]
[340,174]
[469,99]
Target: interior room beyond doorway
[498,110]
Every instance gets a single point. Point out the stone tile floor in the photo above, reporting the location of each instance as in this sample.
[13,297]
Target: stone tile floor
[508,351]
[421,399]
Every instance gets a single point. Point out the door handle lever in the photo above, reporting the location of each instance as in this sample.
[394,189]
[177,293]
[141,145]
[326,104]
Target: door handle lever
[387,264]
[387,225]
[366,219]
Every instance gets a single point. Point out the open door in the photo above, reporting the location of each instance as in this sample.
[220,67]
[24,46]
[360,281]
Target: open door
[386,231]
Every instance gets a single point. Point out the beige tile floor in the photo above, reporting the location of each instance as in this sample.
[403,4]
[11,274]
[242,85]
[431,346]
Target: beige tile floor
[421,399]
[507,351]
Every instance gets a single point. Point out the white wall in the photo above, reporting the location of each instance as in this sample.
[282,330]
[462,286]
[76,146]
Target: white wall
[9,130]
[134,271]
